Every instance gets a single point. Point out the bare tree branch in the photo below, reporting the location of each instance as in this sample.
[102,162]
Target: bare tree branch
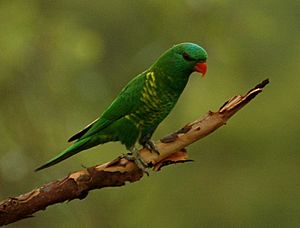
[116,173]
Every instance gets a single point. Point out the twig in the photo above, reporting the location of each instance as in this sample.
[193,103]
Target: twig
[118,172]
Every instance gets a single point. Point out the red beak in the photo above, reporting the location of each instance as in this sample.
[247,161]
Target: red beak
[201,67]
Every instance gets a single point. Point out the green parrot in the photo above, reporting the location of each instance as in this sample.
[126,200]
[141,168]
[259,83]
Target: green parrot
[142,104]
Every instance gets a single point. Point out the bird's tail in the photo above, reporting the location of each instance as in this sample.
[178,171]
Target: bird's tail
[70,151]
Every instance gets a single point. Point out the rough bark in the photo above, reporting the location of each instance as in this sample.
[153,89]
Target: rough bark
[119,171]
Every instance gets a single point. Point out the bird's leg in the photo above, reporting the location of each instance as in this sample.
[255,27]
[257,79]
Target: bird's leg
[147,143]
[150,145]
[135,156]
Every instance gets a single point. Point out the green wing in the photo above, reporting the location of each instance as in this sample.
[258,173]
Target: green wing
[86,129]
[125,103]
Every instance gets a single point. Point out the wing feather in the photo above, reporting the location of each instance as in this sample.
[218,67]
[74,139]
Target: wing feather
[82,132]
[125,103]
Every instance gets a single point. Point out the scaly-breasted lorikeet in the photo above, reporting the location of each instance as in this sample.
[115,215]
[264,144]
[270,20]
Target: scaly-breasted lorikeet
[140,107]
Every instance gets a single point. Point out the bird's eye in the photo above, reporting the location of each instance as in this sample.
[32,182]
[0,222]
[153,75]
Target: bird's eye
[187,57]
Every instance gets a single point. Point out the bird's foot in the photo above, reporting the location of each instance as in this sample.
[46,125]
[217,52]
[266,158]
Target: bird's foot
[150,145]
[137,159]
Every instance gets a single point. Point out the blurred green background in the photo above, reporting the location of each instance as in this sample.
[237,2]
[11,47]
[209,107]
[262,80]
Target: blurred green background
[63,62]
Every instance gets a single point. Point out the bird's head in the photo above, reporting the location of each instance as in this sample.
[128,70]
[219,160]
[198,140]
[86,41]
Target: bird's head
[184,58]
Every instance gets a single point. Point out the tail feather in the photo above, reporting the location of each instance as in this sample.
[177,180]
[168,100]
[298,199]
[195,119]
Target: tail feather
[70,151]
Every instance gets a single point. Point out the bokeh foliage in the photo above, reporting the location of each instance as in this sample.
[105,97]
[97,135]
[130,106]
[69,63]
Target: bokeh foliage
[63,62]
